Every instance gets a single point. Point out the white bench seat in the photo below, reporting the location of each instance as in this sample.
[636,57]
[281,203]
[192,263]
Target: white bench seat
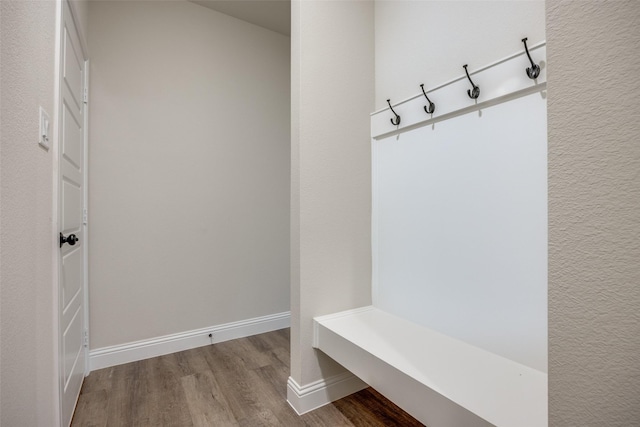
[441,381]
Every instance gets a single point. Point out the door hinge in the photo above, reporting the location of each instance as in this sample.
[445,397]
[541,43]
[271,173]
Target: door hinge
[85,338]
[86,95]
[84,217]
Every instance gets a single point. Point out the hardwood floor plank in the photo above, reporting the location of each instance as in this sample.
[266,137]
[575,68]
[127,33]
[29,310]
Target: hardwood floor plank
[264,418]
[145,389]
[207,404]
[98,380]
[369,408]
[167,395]
[326,416]
[283,355]
[271,386]
[252,356]
[270,341]
[254,401]
[285,333]
[120,403]
[184,363]
[275,377]
[230,373]
[91,411]
[240,383]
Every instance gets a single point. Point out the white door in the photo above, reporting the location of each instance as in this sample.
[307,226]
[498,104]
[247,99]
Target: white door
[70,205]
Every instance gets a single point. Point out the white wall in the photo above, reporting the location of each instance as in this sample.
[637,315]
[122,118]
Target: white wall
[332,95]
[27,295]
[462,253]
[188,170]
[594,213]
[429,41]
[460,225]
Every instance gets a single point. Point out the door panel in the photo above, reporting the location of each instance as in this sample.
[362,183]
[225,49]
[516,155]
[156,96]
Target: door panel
[73,362]
[72,277]
[71,208]
[73,65]
[72,341]
[72,138]
[71,192]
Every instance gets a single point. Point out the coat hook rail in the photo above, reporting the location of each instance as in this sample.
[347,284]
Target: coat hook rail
[534,71]
[505,82]
[397,122]
[475,92]
[432,107]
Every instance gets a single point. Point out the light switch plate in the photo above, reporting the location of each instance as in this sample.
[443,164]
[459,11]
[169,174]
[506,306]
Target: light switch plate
[45,129]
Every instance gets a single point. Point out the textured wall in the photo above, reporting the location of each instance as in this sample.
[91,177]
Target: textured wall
[332,95]
[594,213]
[188,170]
[27,296]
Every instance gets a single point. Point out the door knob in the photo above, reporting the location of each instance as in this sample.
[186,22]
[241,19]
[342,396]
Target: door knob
[70,239]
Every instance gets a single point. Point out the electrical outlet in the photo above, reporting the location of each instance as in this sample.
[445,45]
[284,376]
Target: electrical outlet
[45,129]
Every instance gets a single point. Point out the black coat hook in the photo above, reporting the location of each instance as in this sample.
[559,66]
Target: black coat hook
[475,92]
[397,122]
[534,71]
[432,106]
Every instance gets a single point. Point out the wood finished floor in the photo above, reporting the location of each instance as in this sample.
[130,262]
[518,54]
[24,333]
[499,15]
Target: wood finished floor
[235,383]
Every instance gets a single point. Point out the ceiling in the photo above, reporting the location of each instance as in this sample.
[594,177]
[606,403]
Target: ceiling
[274,15]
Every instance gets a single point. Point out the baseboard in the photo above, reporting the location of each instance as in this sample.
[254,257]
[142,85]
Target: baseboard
[319,393]
[116,355]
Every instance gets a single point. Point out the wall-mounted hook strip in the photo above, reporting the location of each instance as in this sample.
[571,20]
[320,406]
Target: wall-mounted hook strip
[397,122]
[432,107]
[534,71]
[475,92]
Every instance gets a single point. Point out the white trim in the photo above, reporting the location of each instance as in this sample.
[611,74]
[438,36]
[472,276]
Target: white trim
[85,226]
[464,76]
[55,220]
[319,393]
[62,6]
[118,354]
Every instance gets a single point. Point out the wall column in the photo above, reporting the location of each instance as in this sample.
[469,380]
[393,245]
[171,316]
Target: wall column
[332,49]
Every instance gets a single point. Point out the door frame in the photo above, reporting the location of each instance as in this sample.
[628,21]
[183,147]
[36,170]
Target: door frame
[55,215]
[85,216]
